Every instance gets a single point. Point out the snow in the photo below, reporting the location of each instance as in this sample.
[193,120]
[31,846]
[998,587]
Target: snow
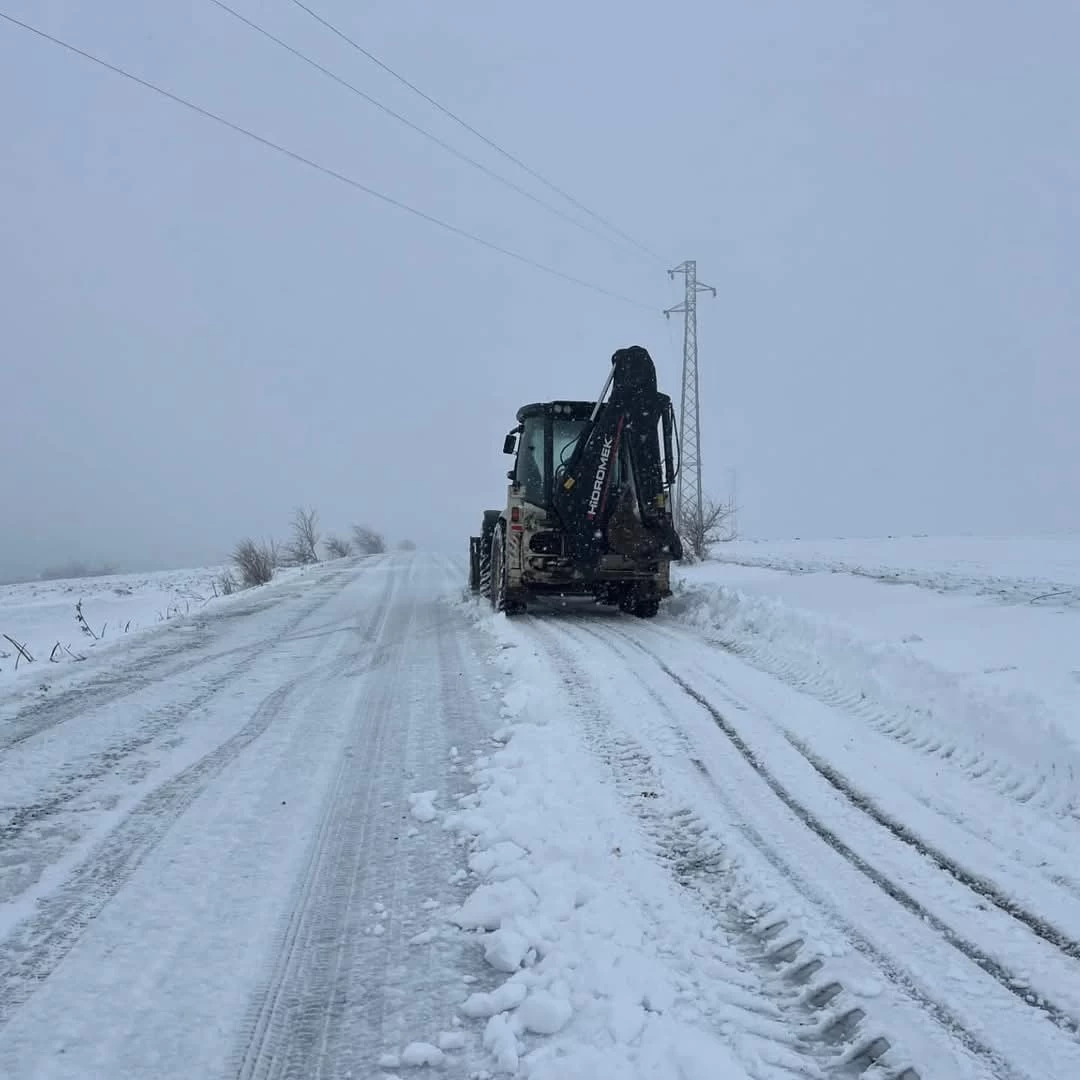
[507,996]
[505,949]
[568,906]
[422,805]
[42,614]
[920,859]
[119,610]
[567,846]
[1015,569]
[421,1053]
[996,683]
[545,1014]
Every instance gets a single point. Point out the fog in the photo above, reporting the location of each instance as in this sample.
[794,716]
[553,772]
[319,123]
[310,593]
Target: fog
[199,333]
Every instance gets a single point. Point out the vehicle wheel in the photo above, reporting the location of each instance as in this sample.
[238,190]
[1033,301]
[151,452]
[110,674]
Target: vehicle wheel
[485,568]
[497,570]
[501,599]
[647,609]
[474,564]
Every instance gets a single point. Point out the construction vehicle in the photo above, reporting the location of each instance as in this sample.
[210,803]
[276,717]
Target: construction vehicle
[588,508]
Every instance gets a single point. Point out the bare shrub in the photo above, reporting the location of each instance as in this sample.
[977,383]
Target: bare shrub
[367,541]
[716,527]
[84,625]
[255,562]
[302,548]
[227,583]
[337,547]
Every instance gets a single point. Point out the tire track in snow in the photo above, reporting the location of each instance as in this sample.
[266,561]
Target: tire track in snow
[981,886]
[36,947]
[895,971]
[151,667]
[1007,979]
[1005,778]
[975,765]
[268,1029]
[824,1027]
[334,993]
[23,822]
[1060,1016]
[978,884]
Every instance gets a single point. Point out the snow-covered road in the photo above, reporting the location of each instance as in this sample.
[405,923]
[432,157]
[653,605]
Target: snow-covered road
[355,825]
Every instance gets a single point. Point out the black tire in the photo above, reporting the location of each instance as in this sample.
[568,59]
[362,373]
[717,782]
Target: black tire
[647,609]
[485,568]
[497,570]
[474,564]
[501,600]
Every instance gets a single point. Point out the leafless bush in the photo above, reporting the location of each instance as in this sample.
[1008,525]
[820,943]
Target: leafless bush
[367,541]
[84,626]
[255,562]
[337,547]
[302,548]
[227,583]
[716,527]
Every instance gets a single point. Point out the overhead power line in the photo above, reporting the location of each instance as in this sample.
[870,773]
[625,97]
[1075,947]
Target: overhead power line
[482,137]
[251,24]
[326,170]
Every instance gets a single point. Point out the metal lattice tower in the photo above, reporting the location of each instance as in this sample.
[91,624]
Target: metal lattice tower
[689,501]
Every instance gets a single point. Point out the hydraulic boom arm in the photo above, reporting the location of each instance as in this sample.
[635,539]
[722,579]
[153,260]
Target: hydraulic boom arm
[612,496]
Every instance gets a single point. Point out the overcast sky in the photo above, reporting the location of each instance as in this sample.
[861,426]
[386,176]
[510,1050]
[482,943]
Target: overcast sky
[198,334]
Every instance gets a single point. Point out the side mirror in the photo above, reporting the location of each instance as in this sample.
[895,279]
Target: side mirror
[510,443]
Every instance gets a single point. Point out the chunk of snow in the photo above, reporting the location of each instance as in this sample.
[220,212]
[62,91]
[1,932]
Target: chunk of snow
[490,904]
[544,1014]
[501,1042]
[508,996]
[505,949]
[421,1053]
[422,805]
[451,1040]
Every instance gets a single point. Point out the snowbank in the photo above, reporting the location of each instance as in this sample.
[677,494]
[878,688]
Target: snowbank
[597,956]
[991,687]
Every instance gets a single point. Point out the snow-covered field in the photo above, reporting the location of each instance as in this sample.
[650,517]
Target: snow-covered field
[1041,569]
[42,615]
[67,621]
[356,825]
